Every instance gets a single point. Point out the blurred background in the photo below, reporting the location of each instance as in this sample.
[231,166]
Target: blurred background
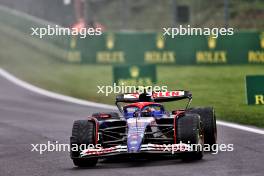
[142,15]
[131,26]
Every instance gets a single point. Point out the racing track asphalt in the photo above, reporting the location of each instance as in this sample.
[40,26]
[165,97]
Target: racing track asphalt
[28,118]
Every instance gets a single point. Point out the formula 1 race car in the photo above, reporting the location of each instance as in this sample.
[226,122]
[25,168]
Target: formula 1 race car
[145,127]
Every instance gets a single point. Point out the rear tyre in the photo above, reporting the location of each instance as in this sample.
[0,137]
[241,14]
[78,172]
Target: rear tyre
[83,132]
[189,132]
[208,119]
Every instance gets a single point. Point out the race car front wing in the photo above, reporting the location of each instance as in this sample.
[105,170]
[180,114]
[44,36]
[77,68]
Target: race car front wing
[145,148]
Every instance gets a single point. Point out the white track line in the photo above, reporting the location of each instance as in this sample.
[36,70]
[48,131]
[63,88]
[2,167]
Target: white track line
[53,95]
[240,127]
[57,96]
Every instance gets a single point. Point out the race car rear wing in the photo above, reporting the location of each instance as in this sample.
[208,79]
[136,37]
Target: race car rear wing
[128,98]
[171,96]
[155,96]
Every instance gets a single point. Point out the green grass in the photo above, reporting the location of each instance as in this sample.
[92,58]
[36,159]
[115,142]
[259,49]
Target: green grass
[219,86]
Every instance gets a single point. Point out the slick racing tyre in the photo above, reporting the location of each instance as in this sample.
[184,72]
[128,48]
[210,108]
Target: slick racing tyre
[83,132]
[189,132]
[208,119]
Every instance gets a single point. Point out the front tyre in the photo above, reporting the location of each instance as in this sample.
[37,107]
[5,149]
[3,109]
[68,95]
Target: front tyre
[189,132]
[83,132]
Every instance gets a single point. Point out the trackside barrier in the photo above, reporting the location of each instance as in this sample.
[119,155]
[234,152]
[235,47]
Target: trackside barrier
[255,89]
